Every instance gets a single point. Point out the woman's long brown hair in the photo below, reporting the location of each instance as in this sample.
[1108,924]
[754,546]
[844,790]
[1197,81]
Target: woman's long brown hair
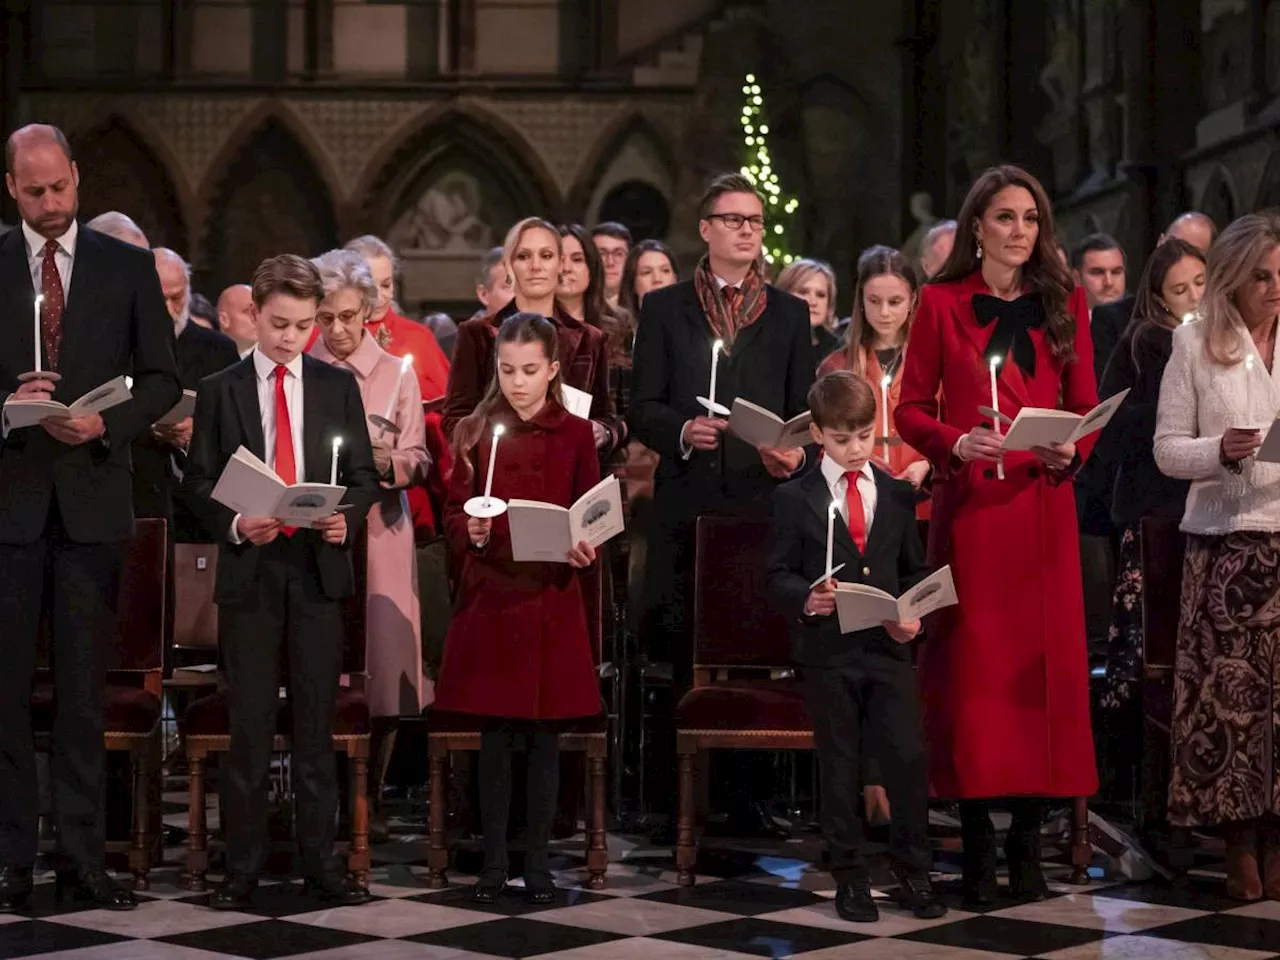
[615,323]
[1043,273]
[1149,310]
[627,293]
[517,328]
[877,261]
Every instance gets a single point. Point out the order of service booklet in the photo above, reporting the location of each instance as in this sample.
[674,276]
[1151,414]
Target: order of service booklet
[20,413]
[546,532]
[1040,427]
[181,410]
[764,428]
[577,402]
[861,607]
[251,488]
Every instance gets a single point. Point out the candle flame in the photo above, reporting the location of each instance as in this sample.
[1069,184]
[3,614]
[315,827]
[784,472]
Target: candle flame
[886,380]
[995,362]
[717,346]
[337,442]
[1188,316]
[39,299]
[408,360]
[499,430]
[1248,362]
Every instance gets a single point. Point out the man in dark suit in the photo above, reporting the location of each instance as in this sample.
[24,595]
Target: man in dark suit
[65,498]
[766,357]
[158,455]
[279,585]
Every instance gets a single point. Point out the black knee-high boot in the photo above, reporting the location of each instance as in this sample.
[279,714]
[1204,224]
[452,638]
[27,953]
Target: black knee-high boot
[540,807]
[1022,848]
[978,834]
[494,776]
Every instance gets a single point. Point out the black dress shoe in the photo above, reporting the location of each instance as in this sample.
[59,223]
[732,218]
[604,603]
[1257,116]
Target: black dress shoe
[15,888]
[235,894]
[915,893]
[338,889]
[95,887]
[1026,882]
[487,891]
[855,903]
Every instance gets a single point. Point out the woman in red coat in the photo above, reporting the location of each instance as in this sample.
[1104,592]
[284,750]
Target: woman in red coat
[1005,672]
[518,651]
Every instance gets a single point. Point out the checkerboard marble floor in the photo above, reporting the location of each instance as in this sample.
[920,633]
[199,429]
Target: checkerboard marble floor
[771,901]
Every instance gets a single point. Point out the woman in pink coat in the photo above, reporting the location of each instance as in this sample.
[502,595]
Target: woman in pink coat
[396,685]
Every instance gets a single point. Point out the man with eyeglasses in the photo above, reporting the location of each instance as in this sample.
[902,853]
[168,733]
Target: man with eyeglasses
[766,357]
[613,243]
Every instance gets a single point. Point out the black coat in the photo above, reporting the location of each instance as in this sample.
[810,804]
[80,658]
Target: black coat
[771,364]
[115,324]
[1107,326]
[227,417]
[894,562]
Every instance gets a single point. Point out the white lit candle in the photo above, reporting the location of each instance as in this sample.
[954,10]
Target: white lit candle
[715,362]
[884,411]
[395,394]
[333,467]
[39,300]
[493,456]
[994,365]
[831,531]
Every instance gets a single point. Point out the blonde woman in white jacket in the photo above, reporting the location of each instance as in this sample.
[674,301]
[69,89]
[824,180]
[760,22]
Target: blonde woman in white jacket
[1218,395]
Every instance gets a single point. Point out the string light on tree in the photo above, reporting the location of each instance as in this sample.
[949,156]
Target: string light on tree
[780,208]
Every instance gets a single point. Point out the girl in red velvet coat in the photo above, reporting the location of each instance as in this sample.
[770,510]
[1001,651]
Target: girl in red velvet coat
[1005,673]
[518,651]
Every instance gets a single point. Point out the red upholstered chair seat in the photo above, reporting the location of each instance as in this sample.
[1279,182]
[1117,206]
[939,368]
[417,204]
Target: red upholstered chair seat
[441,722]
[125,709]
[775,706]
[210,716]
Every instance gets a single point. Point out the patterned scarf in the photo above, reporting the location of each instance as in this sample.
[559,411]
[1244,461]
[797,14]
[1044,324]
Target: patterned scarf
[737,311]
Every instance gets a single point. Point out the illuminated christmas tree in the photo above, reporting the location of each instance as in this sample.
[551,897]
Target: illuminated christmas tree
[779,208]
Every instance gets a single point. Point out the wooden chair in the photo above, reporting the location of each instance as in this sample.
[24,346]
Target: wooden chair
[131,698]
[207,726]
[448,733]
[735,631]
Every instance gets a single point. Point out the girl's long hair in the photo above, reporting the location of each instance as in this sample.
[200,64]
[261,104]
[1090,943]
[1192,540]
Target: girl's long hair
[627,292]
[1232,261]
[877,261]
[1149,311]
[615,323]
[1043,273]
[798,271]
[517,328]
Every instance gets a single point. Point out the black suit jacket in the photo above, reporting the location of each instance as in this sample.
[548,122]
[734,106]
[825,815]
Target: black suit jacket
[1107,326]
[115,324]
[200,353]
[228,416]
[894,562]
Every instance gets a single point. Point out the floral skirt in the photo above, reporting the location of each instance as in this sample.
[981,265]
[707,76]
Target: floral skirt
[1226,720]
[1123,682]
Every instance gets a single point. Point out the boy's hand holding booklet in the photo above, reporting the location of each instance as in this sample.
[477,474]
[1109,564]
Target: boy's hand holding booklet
[20,412]
[546,532]
[1040,427]
[249,487]
[860,607]
[763,428]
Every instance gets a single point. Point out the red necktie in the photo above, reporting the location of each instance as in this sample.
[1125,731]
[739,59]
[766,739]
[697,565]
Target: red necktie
[857,519]
[286,466]
[51,306]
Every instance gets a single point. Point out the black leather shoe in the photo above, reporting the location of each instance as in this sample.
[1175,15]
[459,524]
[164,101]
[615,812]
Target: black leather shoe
[15,888]
[95,887]
[487,892]
[540,888]
[1026,882]
[338,889]
[235,894]
[915,893]
[855,903]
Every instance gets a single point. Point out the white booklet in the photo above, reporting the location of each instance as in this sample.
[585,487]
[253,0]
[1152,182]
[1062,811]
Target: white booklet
[1039,427]
[27,413]
[861,607]
[183,409]
[577,402]
[763,428]
[249,487]
[547,532]
[1269,452]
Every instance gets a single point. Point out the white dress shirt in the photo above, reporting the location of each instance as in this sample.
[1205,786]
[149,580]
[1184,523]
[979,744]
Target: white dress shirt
[265,374]
[833,474]
[65,258]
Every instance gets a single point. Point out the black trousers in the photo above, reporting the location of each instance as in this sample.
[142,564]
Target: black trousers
[873,700]
[78,584]
[288,607]
[498,744]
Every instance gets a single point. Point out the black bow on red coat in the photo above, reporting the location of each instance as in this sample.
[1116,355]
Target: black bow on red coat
[1014,321]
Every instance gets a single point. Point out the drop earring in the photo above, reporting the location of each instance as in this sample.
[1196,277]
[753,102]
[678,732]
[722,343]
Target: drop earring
[979,249]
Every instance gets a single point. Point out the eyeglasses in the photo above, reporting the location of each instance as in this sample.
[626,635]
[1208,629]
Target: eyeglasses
[613,254]
[734,221]
[346,316]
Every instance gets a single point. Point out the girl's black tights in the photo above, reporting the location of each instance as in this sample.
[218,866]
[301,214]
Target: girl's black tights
[496,750]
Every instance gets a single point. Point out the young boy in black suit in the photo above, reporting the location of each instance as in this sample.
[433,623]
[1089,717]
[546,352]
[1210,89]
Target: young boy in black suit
[865,680]
[280,585]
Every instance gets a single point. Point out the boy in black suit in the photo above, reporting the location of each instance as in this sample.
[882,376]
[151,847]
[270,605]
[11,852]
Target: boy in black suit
[858,679]
[278,584]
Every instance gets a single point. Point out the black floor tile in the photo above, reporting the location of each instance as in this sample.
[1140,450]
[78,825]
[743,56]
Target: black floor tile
[512,903]
[516,937]
[736,896]
[1004,935]
[30,937]
[1193,893]
[268,939]
[763,938]
[1226,930]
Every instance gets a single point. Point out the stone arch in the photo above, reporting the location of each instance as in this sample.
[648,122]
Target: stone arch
[121,170]
[1268,196]
[269,197]
[631,149]
[1220,200]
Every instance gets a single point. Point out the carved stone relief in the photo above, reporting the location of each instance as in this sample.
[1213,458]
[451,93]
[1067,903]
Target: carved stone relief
[448,216]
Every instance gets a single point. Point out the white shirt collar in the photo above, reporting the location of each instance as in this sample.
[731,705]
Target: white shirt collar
[833,473]
[265,366]
[180,325]
[35,242]
[721,283]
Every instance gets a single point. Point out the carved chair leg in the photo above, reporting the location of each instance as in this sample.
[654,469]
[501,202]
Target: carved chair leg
[140,848]
[197,837]
[1081,846]
[597,845]
[358,858]
[437,851]
[686,847]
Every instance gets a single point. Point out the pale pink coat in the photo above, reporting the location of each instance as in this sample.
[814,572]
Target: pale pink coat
[393,659]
